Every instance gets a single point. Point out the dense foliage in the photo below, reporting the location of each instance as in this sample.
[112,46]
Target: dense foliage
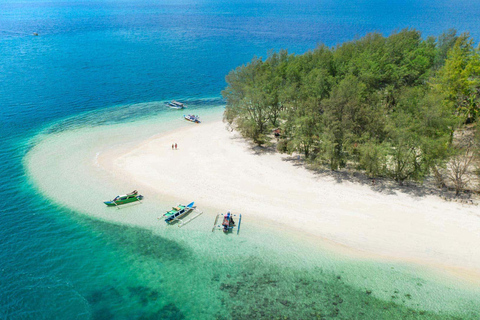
[388,105]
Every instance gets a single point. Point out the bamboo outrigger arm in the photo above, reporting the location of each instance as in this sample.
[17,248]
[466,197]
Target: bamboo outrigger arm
[215,223]
[181,223]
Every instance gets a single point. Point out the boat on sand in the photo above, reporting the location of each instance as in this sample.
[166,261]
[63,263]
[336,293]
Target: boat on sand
[192,118]
[228,224]
[179,212]
[124,199]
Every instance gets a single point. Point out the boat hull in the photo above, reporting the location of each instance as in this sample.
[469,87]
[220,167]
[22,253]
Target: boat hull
[194,120]
[175,105]
[125,201]
[178,212]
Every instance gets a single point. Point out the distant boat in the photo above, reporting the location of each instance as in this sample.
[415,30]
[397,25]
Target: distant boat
[175,105]
[124,199]
[192,118]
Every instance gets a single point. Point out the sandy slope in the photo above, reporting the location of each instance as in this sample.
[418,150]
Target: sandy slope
[217,168]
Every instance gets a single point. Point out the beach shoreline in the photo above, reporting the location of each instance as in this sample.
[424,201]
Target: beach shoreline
[220,170]
[223,172]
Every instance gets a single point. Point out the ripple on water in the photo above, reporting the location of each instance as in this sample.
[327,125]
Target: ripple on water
[36,297]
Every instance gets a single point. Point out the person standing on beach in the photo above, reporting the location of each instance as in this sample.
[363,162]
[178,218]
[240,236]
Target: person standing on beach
[172,146]
[175,146]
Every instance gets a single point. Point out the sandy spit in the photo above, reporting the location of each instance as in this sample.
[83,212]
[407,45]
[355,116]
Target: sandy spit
[217,168]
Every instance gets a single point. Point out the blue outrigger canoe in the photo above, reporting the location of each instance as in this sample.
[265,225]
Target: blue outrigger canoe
[178,212]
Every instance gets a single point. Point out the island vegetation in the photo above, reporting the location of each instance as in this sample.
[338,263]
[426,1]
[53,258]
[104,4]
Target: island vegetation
[400,106]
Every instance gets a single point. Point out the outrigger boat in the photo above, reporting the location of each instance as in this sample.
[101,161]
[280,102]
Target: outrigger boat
[124,199]
[192,118]
[179,212]
[175,104]
[228,224]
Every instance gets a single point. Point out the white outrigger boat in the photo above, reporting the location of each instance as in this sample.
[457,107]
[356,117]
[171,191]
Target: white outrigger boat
[180,211]
[192,118]
[228,224]
[175,104]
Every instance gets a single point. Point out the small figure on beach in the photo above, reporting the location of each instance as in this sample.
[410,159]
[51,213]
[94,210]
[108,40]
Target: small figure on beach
[175,146]
[373,182]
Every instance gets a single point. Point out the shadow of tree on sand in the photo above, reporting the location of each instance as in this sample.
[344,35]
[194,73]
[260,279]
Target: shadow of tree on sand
[382,185]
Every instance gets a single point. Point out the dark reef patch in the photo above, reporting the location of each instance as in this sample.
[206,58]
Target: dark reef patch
[278,293]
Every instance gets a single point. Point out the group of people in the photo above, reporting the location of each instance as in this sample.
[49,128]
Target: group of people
[174,146]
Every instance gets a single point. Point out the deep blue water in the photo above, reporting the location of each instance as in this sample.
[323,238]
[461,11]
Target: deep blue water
[100,54]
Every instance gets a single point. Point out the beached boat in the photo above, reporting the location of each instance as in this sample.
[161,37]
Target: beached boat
[228,224]
[175,104]
[192,118]
[124,199]
[178,212]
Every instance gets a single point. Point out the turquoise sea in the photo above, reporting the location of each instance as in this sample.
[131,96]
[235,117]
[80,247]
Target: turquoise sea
[105,62]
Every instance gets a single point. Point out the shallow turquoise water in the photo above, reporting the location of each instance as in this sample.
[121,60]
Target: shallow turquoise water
[92,55]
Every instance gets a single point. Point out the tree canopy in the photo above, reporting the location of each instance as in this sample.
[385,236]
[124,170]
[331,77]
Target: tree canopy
[387,105]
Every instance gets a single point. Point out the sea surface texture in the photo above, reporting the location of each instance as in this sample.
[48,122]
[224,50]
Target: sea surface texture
[106,62]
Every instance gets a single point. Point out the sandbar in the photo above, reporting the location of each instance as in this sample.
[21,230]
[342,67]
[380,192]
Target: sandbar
[221,170]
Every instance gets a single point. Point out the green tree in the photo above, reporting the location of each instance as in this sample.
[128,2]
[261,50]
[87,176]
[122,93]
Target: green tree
[247,99]
[445,42]
[459,79]
[384,104]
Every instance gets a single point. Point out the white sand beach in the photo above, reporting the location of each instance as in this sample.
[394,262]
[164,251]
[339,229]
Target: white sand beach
[220,170]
